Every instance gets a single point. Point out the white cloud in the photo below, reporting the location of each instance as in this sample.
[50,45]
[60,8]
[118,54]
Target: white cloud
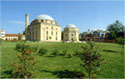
[17,22]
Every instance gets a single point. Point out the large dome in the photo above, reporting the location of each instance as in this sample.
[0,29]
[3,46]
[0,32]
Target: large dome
[44,17]
[70,26]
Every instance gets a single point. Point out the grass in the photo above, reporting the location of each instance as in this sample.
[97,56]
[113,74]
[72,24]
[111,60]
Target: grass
[61,66]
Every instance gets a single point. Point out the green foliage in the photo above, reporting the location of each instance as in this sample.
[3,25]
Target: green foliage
[115,30]
[21,46]
[64,52]
[91,58]
[120,40]
[55,52]
[26,65]
[34,48]
[42,51]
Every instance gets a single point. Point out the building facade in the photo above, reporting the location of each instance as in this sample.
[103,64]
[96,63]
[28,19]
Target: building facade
[71,33]
[43,28]
[11,37]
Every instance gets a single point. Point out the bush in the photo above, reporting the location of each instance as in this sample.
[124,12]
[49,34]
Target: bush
[21,46]
[26,65]
[18,47]
[69,55]
[34,48]
[42,51]
[55,52]
[77,53]
[64,52]
[23,41]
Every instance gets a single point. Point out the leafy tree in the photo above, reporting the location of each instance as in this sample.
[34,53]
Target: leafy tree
[121,41]
[25,66]
[115,30]
[91,59]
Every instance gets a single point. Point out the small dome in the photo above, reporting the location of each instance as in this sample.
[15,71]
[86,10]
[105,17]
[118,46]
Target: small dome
[44,17]
[70,26]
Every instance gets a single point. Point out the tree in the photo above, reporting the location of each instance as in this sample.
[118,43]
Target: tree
[115,30]
[91,59]
[121,41]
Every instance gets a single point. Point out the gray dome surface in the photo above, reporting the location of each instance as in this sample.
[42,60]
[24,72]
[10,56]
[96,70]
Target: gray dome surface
[70,26]
[44,17]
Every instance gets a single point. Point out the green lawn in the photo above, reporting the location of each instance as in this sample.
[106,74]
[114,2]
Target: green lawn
[61,66]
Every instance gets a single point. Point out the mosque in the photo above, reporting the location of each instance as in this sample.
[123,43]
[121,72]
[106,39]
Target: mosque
[45,28]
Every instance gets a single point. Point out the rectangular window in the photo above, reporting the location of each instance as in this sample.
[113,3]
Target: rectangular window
[66,34]
[46,27]
[52,33]
[46,32]
[46,37]
[52,27]
[56,33]
[56,38]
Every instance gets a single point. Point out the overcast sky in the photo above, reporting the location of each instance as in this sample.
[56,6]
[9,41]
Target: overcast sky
[84,14]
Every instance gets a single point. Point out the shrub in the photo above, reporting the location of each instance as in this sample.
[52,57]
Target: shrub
[34,48]
[55,52]
[26,65]
[23,41]
[42,51]
[69,55]
[77,53]
[21,46]
[18,47]
[60,52]
[26,46]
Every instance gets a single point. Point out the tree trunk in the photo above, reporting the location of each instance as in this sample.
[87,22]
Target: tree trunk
[89,74]
[123,49]
[25,77]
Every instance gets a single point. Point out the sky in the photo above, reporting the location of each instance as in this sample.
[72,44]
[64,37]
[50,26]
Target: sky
[84,14]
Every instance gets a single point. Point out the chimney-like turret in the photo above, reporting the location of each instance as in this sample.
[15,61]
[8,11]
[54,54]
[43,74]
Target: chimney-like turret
[27,20]
[3,34]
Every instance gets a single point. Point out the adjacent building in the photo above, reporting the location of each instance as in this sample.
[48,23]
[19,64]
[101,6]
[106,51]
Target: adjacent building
[11,37]
[71,33]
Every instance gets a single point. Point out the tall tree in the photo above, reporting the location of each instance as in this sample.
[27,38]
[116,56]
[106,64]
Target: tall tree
[115,30]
